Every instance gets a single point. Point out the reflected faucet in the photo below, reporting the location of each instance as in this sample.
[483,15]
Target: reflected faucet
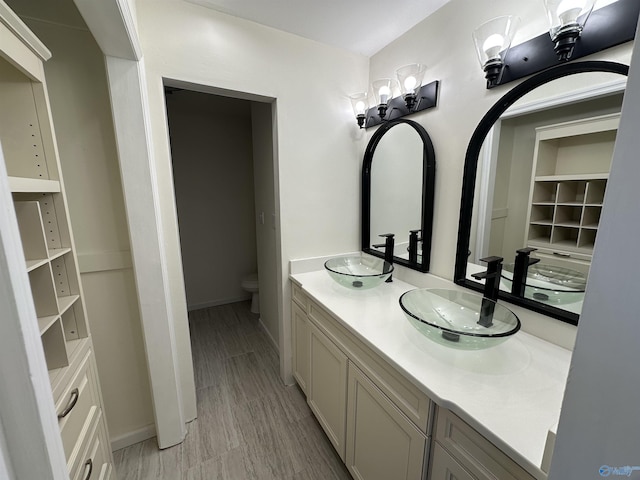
[413,245]
[491,288]
[388,245]
[523,261]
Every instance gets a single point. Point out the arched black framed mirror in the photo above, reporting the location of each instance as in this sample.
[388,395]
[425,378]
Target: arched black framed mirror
[557,201]
[398,192]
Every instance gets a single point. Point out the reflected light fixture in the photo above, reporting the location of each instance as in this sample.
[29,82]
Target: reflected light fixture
[360,105]
[383,93]
[410,79]
[492,40]
[567,19]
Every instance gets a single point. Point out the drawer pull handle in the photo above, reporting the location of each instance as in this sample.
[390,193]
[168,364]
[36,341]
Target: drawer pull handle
[563,255]
[73,399]
[88,463]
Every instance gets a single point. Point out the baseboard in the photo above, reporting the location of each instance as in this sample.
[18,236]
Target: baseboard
[273,342]
[132,438]
[215,303]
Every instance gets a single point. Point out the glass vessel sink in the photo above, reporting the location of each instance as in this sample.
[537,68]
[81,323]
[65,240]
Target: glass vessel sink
[459,319]
[549,284]
[358,272]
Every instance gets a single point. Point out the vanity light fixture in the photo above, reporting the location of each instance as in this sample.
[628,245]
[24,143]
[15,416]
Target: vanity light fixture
[383,93]
[567,19]
[492,40]
[415,97]
[410,79]
[608,26]
[360,105]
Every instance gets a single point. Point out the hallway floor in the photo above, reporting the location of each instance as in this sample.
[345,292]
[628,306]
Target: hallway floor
[249,425]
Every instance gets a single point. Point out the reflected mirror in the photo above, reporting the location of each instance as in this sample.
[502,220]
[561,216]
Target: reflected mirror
[539,162]
[398,176]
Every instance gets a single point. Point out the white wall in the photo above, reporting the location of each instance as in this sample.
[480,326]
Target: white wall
[463,101]
[84,129]
[319,156]
[212,155]
[599,423]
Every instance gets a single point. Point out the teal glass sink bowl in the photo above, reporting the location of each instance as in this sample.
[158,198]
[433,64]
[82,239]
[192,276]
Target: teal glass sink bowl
[358,272]
[459,319]
[549,284]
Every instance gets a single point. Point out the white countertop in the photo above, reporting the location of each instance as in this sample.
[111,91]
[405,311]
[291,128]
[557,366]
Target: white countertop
[511,393]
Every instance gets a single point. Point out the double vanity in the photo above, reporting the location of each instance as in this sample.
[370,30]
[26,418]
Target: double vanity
[425,380]
[396,404]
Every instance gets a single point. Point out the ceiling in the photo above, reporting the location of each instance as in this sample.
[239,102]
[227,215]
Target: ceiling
[361,26]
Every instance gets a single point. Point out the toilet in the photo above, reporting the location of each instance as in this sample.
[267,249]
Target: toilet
[250,284]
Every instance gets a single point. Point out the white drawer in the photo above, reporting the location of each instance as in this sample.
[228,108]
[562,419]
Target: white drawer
[474,452]
[299,296]
[94,464]
[76,404]
[91,460]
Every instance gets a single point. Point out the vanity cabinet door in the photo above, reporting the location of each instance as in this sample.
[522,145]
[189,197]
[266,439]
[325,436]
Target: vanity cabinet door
[327,394]
[444,466]
[301,341]
[381,441]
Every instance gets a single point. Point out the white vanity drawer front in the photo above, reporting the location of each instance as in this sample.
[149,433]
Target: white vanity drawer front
[474,452]
[404,395]
[299,296]
[445,467]
[76,404]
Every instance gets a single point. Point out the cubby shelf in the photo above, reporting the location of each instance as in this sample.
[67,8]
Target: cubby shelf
[569,178]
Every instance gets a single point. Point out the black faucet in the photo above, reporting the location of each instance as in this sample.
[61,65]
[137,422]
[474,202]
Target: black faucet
[491,288]
[413,245]
[388,245]
[520,270]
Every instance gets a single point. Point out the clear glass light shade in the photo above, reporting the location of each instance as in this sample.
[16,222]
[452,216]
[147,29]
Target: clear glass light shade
[493,38]
[383,90]
[566,15]
[410,77]
[359,103]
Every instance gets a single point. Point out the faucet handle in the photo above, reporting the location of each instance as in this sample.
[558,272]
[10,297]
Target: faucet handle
[387,235]
[493,260]
[524,253]
[494,268]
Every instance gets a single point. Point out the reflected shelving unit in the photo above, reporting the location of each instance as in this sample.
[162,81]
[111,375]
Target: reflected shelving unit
[570,171]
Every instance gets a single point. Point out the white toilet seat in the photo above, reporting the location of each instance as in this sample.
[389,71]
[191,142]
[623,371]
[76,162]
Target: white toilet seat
[250,284]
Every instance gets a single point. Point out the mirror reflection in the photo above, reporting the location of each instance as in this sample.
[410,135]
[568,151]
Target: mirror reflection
[540,184]
[546,173]
[396,189]
[398,186]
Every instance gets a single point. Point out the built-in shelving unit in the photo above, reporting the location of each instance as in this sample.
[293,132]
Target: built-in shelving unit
[35,179]
[570,172]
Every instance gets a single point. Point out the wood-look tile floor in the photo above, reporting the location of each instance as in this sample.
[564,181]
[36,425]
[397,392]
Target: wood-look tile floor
[250,425]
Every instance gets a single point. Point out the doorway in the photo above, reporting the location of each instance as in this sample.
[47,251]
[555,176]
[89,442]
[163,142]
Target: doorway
[222,150]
